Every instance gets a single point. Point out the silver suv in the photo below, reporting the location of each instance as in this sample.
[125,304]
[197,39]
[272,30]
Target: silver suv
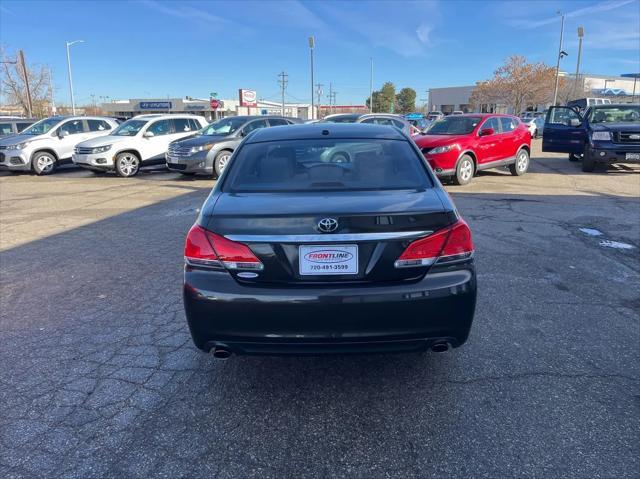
[49,143]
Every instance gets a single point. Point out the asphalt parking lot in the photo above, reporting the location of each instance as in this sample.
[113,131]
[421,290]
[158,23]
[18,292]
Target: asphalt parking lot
[99,378]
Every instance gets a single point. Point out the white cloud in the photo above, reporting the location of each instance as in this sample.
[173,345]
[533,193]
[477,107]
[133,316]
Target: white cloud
[590,10]
[187,13]
[423,32]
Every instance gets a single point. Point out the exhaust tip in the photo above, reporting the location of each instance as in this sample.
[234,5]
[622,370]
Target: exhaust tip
[221,353]
[440,347]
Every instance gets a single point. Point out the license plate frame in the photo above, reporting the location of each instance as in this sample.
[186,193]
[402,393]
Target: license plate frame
[328,260]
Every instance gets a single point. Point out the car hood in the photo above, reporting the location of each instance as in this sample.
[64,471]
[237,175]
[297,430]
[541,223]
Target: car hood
[105,140]
[15,139]
[617,126]
[431,141]
[197,140]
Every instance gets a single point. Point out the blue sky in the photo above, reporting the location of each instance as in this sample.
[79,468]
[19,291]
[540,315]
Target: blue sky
[153,48]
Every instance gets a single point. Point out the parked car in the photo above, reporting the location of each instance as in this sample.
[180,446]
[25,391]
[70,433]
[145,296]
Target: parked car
[418,120]
[294,253]
[459,146]
[388,119]
[12,125]
[208,152]
[605,134]
[534,124]
[49,143]
[139,142]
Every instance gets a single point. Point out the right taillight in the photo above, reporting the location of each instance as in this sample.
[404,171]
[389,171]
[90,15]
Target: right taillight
[205,248]
[451,244]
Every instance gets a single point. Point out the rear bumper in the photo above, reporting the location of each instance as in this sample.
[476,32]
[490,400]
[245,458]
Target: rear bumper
[250,319]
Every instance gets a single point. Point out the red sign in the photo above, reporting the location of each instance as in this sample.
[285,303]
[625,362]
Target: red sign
[214,103]
[248,98]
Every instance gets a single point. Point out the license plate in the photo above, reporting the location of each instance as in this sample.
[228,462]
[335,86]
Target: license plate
[328,260]
[632,156]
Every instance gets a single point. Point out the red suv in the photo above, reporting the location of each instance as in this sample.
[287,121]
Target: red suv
[458,146]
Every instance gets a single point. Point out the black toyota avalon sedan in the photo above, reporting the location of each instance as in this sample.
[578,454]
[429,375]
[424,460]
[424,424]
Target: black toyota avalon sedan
[328,238]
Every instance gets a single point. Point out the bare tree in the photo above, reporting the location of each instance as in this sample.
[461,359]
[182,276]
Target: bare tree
[517,84]
[13,85]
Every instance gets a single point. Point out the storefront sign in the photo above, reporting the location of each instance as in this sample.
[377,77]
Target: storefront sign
[155,105]
[248,98]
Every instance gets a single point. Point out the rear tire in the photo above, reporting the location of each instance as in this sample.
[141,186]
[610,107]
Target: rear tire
[588,163]
[521,166]
[44,163]
[464,171]
[127,164]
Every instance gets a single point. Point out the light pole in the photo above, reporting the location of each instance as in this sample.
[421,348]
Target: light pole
[575,82]
[312,44]
[73,102]
[560,55]
[371,86]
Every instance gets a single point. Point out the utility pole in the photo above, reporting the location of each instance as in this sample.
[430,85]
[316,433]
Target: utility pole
[371,86]
[333,97]
[560,52]
[575,83]
[283,84]
[330,97]
[319,94]
[26,82]
[93,103]
[53,101]
[312,44]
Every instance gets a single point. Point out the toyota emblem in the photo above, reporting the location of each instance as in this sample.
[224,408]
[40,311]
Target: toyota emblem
[327,225]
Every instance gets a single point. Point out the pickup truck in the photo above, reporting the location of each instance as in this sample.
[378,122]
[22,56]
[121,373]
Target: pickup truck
[604,134]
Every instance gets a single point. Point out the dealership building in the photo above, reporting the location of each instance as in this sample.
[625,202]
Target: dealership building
[619,88]
[202,107]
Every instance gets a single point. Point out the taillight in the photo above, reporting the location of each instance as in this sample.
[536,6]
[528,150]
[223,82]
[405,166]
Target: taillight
[205,248]
[449,245]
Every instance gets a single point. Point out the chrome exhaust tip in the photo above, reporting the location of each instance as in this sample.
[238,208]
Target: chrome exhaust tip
[220,353]
[440,347]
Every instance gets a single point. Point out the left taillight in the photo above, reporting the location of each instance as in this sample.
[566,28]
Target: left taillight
[449,245]
[205,248]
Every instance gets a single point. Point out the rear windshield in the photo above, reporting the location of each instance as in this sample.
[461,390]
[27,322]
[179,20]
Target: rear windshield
[327,165]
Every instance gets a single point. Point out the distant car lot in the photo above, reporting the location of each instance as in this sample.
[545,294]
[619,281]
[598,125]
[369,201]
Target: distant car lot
[100,377]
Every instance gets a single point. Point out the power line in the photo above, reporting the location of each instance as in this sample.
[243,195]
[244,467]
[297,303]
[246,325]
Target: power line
[283,80]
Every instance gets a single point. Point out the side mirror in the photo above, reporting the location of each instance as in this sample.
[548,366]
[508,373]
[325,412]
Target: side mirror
[574,122]
[62,134]
[148,134]
[487,132]
[243,133]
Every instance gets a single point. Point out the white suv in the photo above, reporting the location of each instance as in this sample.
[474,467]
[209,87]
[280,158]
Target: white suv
[49,143]
[140,141]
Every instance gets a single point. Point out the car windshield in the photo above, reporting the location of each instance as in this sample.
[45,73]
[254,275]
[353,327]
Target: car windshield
[223,127]
[458,125]
[129,128]
[611,114]
[326,165]
[42,126]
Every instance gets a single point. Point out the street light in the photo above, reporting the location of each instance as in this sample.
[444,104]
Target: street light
[312,44]
[73,102]
[561,54]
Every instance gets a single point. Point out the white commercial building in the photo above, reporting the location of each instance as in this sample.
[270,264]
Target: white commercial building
[617,88]
[139,106]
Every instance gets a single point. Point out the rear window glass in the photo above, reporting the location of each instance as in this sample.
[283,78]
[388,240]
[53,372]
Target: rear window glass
[326,165]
